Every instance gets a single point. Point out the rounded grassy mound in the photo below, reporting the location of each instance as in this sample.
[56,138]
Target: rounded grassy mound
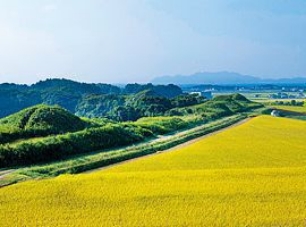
[52,119]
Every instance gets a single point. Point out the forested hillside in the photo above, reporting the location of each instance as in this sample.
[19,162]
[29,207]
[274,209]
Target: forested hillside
[145,103]
[91,100]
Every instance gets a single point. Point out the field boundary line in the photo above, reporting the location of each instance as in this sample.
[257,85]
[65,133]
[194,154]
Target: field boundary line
[174,148]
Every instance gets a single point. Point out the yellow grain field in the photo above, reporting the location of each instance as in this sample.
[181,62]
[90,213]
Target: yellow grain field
[301,109]
[250,175]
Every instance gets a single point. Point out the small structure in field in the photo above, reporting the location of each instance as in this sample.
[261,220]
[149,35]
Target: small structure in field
[275,113]
[205,94]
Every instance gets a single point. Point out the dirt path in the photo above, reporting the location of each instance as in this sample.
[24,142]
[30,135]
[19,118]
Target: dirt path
[173,148]
[5,173]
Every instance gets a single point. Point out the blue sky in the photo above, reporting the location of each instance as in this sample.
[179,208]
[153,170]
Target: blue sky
[118,41]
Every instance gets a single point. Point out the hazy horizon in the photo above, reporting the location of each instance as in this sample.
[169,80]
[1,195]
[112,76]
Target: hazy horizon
[137,40]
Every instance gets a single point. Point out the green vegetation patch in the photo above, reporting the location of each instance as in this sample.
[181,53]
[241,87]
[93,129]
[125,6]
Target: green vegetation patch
[37,121]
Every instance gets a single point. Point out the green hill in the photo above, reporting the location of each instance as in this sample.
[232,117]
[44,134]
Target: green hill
[75,96]
[223,105]
[39,120]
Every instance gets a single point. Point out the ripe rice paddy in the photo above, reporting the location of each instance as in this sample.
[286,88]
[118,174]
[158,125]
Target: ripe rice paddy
[250,175]
[301,109]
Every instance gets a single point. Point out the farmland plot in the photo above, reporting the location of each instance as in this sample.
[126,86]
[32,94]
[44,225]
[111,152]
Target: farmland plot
[250,175]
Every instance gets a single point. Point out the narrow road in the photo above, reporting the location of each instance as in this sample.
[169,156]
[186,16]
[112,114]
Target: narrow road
[173,148]
[5,173]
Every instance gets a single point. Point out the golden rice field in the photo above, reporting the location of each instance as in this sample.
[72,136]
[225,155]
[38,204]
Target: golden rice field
[250,175]
[301,109]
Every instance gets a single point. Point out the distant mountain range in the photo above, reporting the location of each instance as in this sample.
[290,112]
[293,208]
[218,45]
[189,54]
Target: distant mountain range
[223,78]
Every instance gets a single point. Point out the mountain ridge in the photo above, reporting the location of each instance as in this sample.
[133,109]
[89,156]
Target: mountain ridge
[223,78]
